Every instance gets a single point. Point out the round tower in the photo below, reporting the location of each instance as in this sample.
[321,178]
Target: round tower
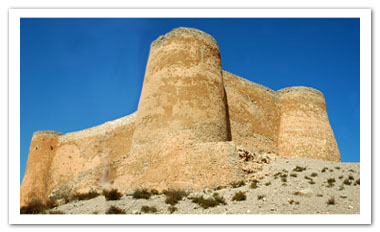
[304,129]
[182,99]
[35,184]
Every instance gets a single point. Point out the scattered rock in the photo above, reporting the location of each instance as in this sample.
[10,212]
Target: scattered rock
[306,192]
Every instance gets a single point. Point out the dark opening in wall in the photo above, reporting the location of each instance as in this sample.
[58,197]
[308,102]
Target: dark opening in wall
[51,148]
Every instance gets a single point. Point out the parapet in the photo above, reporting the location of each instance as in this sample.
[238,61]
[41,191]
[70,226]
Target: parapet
[98,130]
[299,89]
[46,133]
[189,32]
[248,83]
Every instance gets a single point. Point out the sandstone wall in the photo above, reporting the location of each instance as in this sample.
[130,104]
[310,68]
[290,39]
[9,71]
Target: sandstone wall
[253,112]
[305,129]
[180,166]
[79,162]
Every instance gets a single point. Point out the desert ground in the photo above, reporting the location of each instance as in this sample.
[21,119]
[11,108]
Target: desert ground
[289,186]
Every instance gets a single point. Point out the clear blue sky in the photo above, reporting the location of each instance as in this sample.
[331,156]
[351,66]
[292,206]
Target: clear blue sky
[79,73]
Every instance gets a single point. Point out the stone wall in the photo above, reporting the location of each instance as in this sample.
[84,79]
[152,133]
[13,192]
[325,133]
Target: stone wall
[253,112]
[75,162]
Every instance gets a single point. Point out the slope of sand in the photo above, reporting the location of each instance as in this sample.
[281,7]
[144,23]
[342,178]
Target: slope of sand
[280,191]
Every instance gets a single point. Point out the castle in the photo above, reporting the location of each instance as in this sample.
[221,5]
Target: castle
[191,118]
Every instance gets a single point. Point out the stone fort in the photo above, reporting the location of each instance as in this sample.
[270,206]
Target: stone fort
[191,119]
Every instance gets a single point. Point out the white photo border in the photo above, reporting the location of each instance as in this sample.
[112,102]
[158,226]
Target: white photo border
[365,116]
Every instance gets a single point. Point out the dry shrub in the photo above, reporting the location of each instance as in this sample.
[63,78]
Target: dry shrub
[141,194]
[34,207]
[85,196]
[174,196]
[331,201]
[299,169]
[147,209]
[331,182]
[239,196]
[154,192]
[347,182]
[205,203]
[254,184]
[56,212]
[112,195]
[308,178]
[37,207]
[237,184]
[172,209]
[219,199]
[260,197]
[115,210]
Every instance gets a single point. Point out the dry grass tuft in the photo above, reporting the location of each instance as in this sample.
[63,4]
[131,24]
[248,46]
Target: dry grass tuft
[174,196]
[254,184]
[331,201]
[205,203]
[331,182]
[260,197]
[239,196]
[115,210]
[112,195]
[299,169]
[147,209]
[237,184]
[85,196]
[141,194]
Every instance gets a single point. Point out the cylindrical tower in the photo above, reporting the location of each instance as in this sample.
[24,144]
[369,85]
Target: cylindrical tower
[304,129]
[183,98]
[35,184]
